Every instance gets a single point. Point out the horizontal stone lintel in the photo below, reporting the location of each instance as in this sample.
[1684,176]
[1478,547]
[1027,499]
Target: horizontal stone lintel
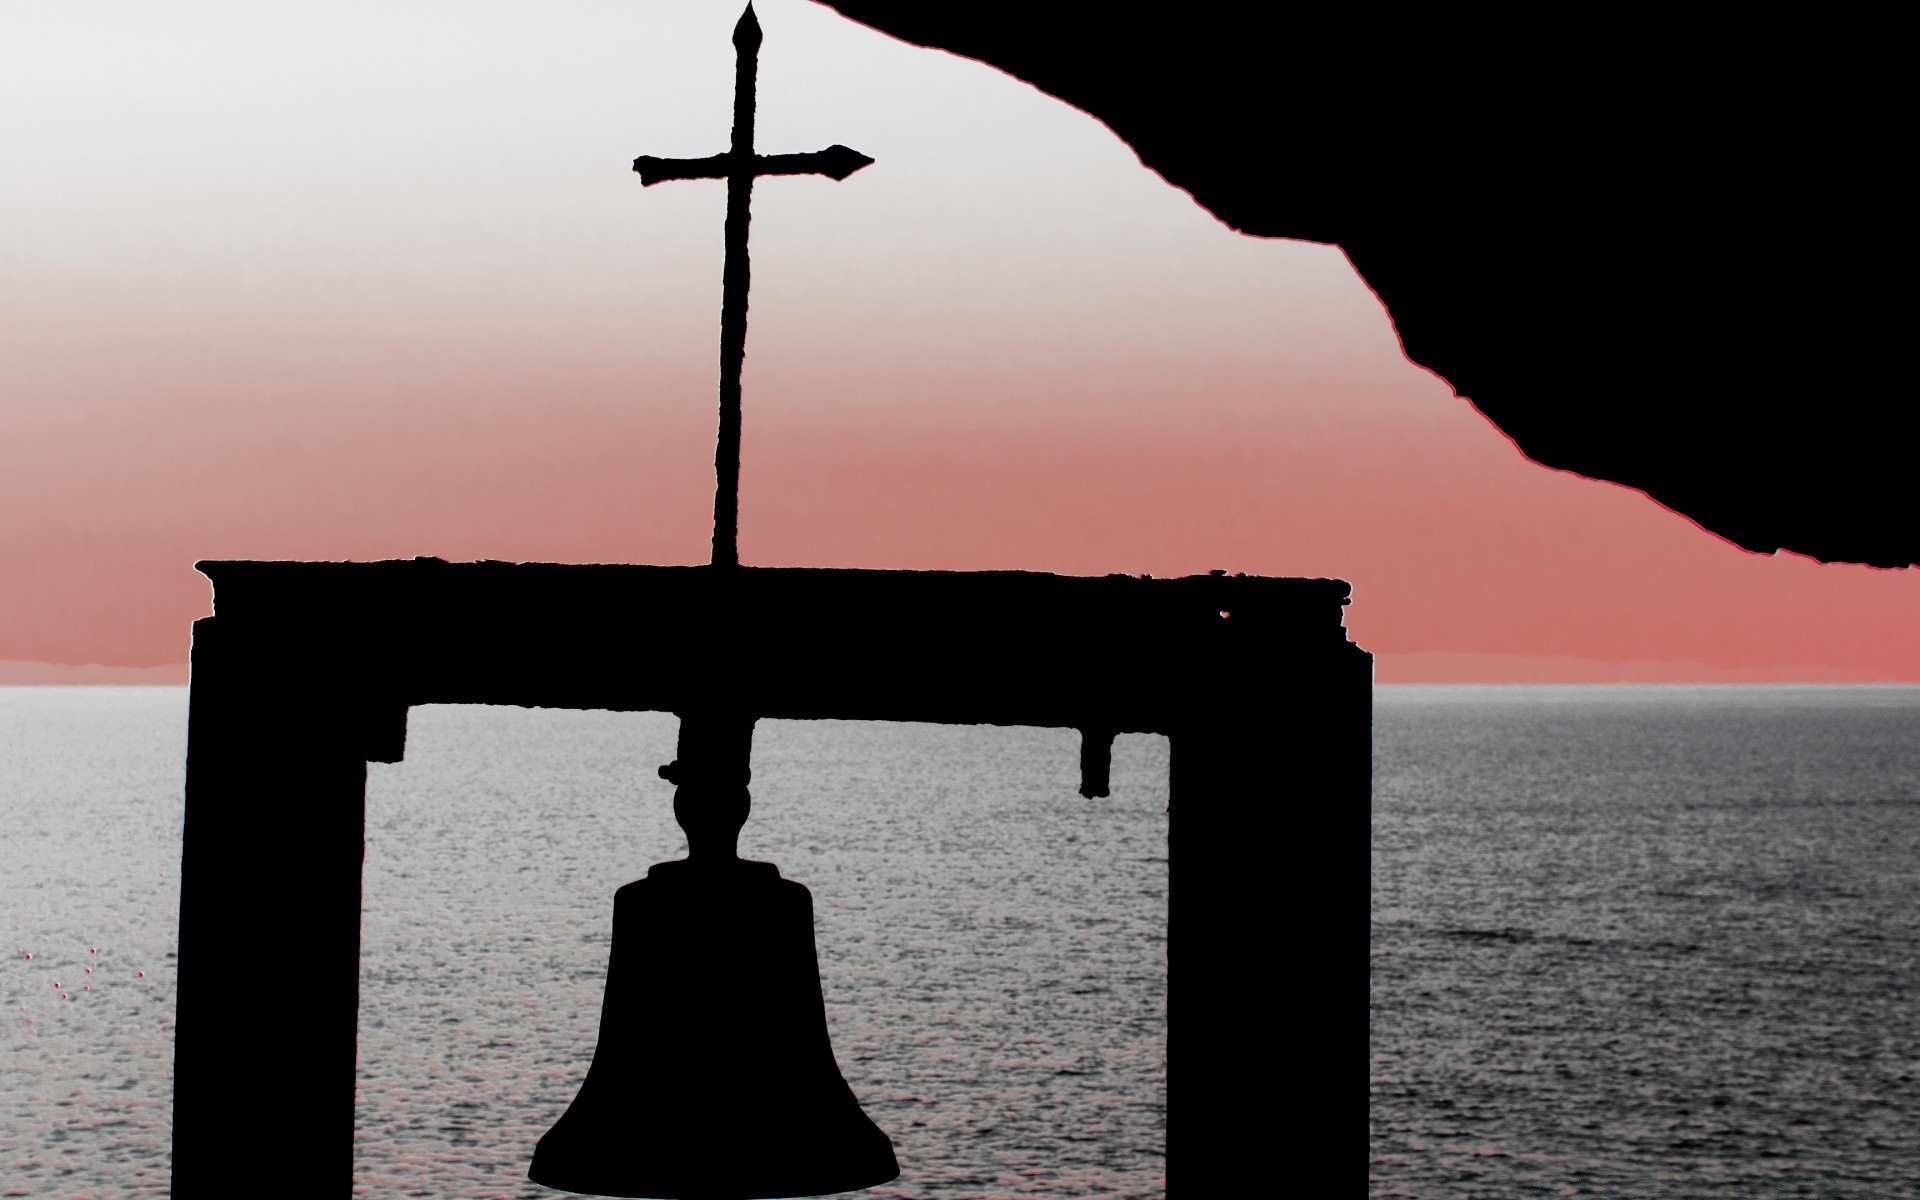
[1120,653]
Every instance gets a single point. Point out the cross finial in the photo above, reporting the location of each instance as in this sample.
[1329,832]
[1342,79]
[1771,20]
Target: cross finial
[739,166]
[746,32]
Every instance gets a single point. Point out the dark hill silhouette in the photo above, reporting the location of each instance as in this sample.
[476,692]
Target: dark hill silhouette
[1652,251]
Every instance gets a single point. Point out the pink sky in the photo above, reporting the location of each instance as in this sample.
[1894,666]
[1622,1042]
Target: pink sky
[336,281]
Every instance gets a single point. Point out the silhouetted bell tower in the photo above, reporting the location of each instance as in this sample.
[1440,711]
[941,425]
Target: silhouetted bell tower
[713,1075]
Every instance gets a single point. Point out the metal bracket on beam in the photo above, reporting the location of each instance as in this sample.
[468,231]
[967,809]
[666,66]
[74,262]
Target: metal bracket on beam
[1096,761]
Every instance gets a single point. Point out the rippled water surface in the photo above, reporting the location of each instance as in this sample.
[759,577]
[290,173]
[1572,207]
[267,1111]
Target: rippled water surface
[1646,942]
[90,811]
[992,945]
[1626,942]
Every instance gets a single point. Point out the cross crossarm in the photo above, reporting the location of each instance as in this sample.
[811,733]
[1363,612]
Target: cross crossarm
[835,162]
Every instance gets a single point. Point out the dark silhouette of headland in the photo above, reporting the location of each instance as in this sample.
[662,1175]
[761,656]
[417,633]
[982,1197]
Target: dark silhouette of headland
[1663,252]
[713,1075]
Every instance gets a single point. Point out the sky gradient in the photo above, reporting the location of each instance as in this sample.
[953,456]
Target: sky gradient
[365,281]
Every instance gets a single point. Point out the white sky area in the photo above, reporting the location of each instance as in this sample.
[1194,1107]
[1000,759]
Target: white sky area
[249,155]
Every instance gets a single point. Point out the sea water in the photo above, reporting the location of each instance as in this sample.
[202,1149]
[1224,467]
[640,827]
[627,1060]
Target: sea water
[1625,942]
[992,945]
[1645,942]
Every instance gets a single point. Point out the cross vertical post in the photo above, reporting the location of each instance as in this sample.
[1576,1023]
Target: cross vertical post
[739,166]
[735,278]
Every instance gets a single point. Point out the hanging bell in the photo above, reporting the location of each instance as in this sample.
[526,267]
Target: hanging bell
[714,1078]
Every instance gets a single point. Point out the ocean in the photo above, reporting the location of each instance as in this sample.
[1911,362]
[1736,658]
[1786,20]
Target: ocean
[1645,942]
[1625,942]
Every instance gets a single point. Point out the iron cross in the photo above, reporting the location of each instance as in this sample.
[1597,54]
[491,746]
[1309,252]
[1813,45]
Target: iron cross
[739,166]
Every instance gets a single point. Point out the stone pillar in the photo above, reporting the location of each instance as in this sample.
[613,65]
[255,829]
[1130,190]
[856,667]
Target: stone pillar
[269,965]
[1267,792]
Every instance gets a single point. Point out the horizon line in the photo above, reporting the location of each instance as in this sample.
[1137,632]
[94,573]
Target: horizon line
[1422,668]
